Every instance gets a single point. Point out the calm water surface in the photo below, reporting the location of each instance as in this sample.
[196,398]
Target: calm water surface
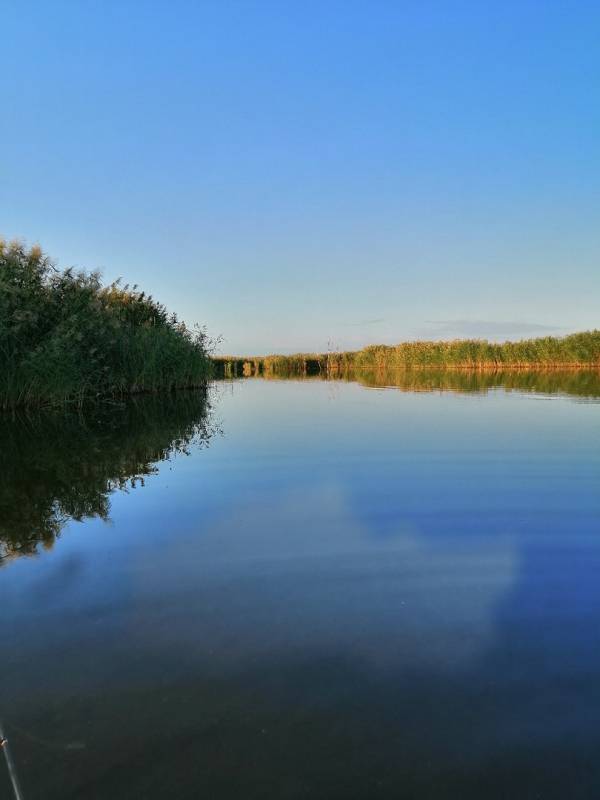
[312,590]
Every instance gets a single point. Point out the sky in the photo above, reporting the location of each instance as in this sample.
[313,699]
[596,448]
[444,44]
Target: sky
[303,176]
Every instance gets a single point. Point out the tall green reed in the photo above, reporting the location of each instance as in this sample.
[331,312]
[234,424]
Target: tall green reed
[66,338]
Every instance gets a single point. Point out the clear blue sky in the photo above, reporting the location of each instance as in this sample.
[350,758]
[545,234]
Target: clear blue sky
[294,173]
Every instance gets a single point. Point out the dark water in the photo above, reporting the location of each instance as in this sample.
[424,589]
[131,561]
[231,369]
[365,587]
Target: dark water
[345,592]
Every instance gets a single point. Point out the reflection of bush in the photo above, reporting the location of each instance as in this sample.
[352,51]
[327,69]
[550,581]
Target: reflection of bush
[60,466]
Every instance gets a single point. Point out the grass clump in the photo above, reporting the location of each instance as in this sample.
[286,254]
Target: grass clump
[66,338]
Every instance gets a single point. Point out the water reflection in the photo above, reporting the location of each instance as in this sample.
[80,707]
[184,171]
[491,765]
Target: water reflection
[579,383]
[314,576]
[576,383]
[55,467]
[353,594]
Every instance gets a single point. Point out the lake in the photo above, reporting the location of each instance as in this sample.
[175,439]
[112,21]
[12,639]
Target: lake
[306,589]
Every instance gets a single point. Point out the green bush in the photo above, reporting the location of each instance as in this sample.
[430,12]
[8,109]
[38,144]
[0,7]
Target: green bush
[64,337]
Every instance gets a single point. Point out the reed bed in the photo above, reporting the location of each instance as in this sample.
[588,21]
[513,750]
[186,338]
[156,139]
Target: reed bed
[65,338]
[577,351]
[282,366]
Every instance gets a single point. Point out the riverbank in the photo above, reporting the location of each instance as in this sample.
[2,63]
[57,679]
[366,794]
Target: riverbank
[576,351]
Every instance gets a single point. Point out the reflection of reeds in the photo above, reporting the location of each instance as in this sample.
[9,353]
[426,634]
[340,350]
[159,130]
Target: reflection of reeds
[60,466]
[298,365]
[576,382]
[579,382]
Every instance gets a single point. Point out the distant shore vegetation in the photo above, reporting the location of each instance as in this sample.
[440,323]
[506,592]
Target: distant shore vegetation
[65,338]
[576,351]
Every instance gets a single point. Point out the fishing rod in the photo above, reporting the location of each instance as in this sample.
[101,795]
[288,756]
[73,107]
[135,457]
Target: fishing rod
[12,770]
